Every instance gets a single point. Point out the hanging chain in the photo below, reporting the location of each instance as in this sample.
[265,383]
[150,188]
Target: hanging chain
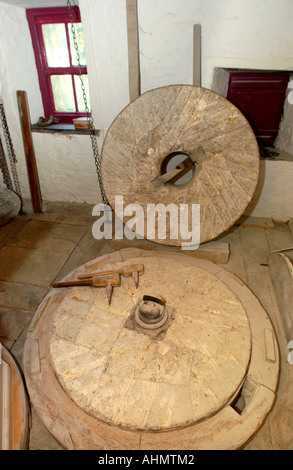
[95,149]
[4,168]
[10,151]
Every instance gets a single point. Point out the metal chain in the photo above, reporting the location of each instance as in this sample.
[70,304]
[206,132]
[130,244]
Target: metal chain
[10,150]
[94,144]
[4,168]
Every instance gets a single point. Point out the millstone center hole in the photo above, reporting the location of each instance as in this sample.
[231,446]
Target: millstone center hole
[173,160]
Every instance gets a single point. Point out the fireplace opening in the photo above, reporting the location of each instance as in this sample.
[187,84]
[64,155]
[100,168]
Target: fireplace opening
[263,96]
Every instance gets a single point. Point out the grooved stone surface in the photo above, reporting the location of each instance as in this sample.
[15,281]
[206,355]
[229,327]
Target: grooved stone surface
[128,379]
[182,118]
[10,205]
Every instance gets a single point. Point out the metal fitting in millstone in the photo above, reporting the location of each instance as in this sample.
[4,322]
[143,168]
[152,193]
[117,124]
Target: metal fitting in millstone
[151,312]
[151,316]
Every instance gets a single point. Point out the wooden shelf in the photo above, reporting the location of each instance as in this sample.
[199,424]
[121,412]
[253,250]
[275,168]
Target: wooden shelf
[62,129]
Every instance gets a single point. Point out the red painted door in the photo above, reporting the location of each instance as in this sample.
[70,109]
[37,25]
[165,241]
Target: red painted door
[260,96]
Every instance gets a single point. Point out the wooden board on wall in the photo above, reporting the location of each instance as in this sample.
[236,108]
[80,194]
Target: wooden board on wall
[197,55]
[31,163]
[133,49]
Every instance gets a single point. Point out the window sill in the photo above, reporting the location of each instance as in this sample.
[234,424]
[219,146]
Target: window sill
[63,129]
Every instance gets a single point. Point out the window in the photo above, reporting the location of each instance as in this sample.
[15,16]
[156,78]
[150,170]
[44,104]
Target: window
[57,65]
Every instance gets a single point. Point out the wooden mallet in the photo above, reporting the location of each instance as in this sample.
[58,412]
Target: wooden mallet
[132,270]
[108,280]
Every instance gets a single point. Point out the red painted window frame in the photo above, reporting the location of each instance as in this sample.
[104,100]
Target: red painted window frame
[36,17]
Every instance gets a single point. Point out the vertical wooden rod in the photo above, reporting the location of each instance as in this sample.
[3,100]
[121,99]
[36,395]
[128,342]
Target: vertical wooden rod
[133,49]
[31,163]
[197,55]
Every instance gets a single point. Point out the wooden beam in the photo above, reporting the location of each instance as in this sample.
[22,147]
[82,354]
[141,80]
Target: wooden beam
[259,222]
[197,55]
[18,404]
[133,49]
[29,151]
[217,252]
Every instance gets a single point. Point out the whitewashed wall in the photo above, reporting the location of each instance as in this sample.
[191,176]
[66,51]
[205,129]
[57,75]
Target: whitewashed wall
[235,33]
[65,163]
[105,35]
[17,72]
[274,197]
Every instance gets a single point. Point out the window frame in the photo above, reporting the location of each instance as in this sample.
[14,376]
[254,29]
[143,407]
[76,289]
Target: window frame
[36,17]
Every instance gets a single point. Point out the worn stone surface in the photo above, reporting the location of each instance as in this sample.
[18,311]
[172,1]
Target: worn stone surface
[86,250]
[63,212]
[213,251]
[13,321]
[10,205]
[23,296]
[129,379]
[48,236]
[183,118]
[29,266]
[77,427]
[8,231]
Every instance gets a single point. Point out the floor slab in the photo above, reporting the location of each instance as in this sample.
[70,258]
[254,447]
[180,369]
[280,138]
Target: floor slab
[23,296]
[13,321]
[9,230]
[63,212]
[24,265]
[48,236]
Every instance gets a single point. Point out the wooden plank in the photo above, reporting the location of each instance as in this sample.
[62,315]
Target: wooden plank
[258,222]
[280,239]
[236,263]
[217,252]
[35,357]
[281,270]
[261,371]
[197,55]
[254,246]
[133,49]
[97,263]
[29,151]
[19,405]
[269,345]
[5,406]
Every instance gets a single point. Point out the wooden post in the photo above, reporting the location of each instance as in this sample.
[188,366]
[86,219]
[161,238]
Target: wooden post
[133,49]
[29,151]
[197,55]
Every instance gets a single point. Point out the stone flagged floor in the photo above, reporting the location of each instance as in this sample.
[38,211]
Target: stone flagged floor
[38,249]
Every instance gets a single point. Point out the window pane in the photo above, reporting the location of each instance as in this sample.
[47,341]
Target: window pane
[63,93]
[56,45]
[80,44]
[79,93]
